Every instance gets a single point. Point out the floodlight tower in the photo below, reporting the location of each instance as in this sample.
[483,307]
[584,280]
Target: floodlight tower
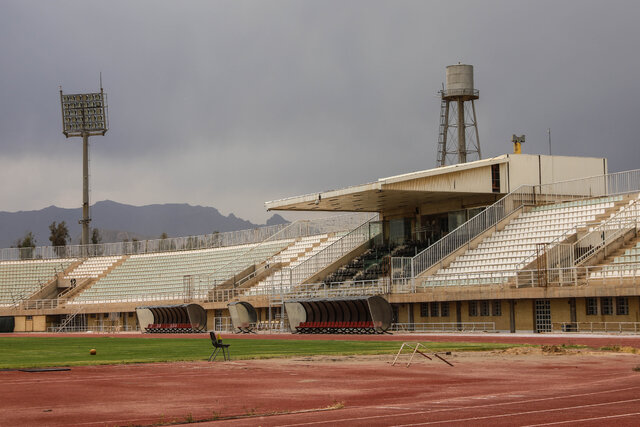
[457,114]
[85,115]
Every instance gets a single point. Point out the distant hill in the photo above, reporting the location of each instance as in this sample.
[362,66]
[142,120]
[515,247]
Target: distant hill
[117,221]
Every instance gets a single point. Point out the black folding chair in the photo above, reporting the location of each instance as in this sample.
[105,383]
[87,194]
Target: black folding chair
[217,346]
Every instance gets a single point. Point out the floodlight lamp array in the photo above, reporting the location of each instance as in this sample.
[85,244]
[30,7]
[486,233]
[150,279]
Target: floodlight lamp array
[84,113]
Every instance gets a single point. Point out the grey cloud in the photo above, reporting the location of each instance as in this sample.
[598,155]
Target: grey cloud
[231,103]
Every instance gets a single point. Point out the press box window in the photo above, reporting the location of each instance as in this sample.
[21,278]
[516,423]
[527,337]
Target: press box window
[424,309]
[434,309]
[444,309]
[622,306]
[473,308]
[496,307]
[485,308]
[495,178]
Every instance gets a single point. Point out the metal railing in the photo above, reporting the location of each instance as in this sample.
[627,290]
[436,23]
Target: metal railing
[597,327]
[583,188]
[299,228]
[595,186]
[559,255]
[356,237]
[444,327]
[105,329]
[627,274]
[463,235]
[339,289]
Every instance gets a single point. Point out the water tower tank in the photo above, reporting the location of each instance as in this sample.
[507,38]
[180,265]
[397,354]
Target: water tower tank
[460,81]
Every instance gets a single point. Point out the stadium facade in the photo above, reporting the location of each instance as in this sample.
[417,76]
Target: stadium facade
[512,243]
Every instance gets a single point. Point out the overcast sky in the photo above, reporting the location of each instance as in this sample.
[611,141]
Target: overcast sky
[233,103]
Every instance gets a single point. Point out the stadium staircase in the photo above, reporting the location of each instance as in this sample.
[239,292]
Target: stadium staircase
[89,272]
[547,234]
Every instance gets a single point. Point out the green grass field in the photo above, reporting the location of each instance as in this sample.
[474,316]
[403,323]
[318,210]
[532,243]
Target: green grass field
[31,352]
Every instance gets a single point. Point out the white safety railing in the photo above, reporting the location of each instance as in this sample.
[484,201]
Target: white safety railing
[463,235]
[583,188]
[443,327]
[595,186]
[568,276]
[559,255]
[356,237]
[100,329]
[622,222]
[597,327]
[299,228]
[339,289]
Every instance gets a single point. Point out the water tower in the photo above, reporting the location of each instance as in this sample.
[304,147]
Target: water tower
[458,141]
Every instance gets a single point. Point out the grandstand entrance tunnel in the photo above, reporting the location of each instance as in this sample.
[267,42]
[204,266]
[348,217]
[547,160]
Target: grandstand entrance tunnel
[172,318]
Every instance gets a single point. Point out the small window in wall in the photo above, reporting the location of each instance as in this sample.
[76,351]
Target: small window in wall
[606,305]
[131,314]
[473,308]
[444,309]
[495,178]
[592,306]
[424,309]
[105,315]
[92,316]
[396,313]
[496,308]
[622,306]
[485,308]
[434,309]
[29,317]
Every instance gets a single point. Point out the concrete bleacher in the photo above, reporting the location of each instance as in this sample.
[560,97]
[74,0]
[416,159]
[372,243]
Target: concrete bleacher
[92,268]
[302,250]
[148,276]
[499,256]
[625,265]
[20,279]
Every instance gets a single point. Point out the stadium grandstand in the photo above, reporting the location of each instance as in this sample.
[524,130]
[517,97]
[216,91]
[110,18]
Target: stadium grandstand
[518,242]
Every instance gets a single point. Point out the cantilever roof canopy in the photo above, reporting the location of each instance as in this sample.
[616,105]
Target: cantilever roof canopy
[401,191]
[449,187]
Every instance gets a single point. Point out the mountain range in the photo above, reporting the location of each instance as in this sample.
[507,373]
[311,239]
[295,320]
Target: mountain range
[117,222]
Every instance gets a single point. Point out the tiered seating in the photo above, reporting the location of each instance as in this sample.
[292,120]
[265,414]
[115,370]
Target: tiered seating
[625,265]
[20,279]
[336,328]
[92,267]
[141,276]
[367,266]
[497,257]
[291,257]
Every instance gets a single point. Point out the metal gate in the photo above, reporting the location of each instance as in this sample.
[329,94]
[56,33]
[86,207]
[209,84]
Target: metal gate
[543,315]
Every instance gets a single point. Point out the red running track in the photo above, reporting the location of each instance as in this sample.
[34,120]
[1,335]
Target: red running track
[492,389]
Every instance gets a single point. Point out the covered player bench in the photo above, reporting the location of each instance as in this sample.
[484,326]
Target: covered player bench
[243,316]
[172,319]
[356,315]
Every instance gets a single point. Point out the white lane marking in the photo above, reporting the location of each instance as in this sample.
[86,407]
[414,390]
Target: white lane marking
[585,419]
[517,402]
[513,414]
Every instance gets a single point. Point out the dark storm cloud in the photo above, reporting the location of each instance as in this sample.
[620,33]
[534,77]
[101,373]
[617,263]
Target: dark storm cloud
[231,103]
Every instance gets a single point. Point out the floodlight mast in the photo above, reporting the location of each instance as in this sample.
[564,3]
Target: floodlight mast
[84,115]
